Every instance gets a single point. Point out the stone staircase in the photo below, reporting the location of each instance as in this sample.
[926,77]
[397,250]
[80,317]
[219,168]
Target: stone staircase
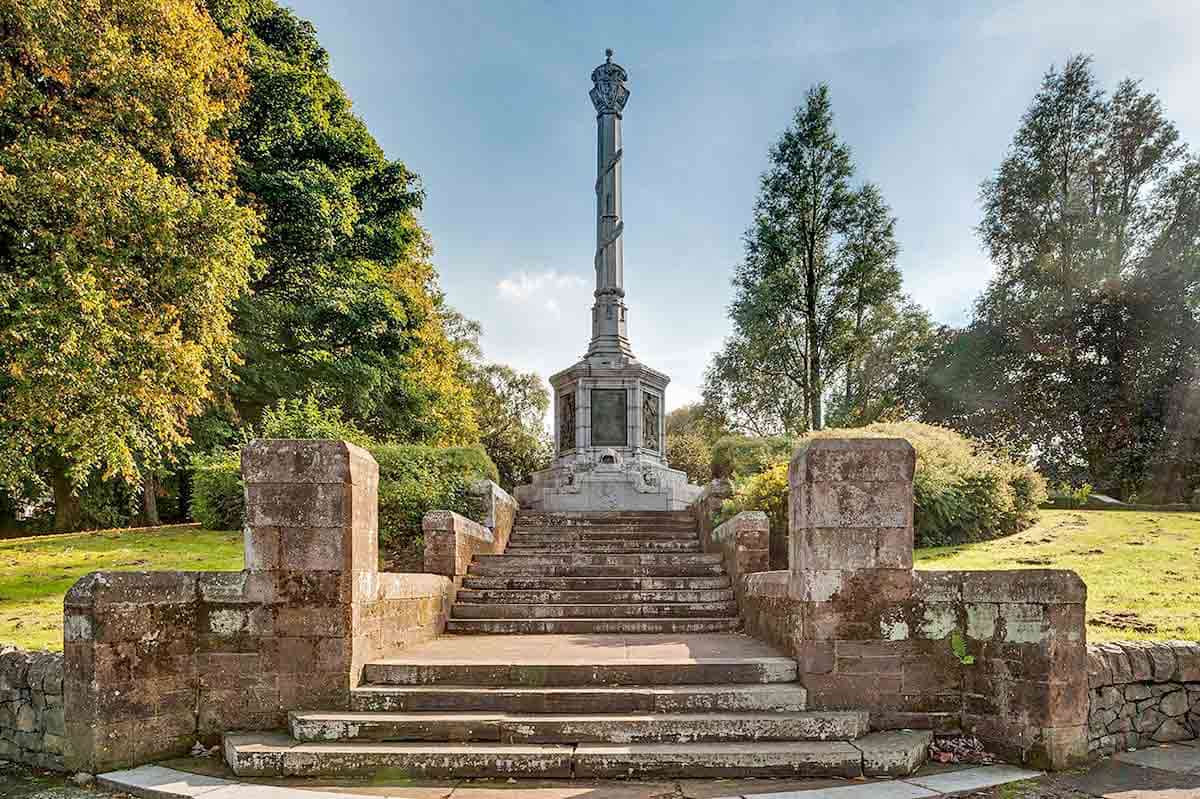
[621,572]
[597,646]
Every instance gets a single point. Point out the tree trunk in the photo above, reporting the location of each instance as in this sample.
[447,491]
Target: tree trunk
[150,498]
[68,516]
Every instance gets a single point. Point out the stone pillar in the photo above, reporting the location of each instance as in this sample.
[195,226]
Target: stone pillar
[312,530]
[851,517]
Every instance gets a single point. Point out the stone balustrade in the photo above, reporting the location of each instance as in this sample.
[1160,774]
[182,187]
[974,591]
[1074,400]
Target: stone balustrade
[998,654]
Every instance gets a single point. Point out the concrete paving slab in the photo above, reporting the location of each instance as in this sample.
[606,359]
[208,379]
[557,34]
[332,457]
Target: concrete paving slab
[875,790]
[582,789]
[1178,759]
[158,782]
[972,779]
[734,786]
[1115,779]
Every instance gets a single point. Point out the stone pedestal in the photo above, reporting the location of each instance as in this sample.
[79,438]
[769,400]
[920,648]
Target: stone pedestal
[610,438]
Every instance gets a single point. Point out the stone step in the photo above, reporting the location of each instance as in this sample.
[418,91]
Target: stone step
[588,534]
[601,611]
[545,583]
[583,559]
[585,597]
[585,565]
[271,755]
[582,626]
[787,697]
[700,671]
[606,728]
[603,517]
[267,755]
[875,755]
[609,547]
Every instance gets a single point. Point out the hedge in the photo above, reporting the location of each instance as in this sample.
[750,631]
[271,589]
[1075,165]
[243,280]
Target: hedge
[413,479]
[963,490]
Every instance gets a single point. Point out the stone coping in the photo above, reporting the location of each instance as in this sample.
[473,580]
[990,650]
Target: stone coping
[161,782]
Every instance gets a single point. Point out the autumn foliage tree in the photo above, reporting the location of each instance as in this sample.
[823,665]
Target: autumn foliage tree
[123,242]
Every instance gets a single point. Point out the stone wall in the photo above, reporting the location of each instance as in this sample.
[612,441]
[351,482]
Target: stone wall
[1142,693]
[32,724]
[743,542]
[999,654]
[155,660]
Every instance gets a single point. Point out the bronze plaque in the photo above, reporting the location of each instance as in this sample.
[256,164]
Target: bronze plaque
[609,418]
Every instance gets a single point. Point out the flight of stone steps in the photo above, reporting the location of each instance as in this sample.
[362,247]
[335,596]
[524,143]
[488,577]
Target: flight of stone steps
[593,686]
[620,572]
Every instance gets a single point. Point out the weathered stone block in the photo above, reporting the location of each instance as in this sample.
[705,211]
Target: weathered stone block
[307,462]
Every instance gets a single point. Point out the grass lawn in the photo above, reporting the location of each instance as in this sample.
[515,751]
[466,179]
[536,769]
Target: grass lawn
[1142,569]
[35,573]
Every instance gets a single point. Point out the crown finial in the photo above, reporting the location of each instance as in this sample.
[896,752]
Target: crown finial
[610,93]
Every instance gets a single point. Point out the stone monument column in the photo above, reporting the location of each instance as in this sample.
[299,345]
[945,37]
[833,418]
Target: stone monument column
[609,95]
[609,438]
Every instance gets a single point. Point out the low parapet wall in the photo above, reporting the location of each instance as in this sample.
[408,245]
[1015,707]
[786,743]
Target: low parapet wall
[156,660]
[998,654]
[1142,693]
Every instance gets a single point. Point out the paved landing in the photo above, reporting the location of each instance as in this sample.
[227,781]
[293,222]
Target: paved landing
[598,649]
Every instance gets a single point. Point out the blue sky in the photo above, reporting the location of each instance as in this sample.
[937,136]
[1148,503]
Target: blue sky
[487,101]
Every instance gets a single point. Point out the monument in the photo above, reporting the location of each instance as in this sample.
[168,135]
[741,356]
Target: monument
[609,408]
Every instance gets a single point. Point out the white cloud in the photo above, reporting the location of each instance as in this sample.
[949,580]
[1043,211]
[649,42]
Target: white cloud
[544,288]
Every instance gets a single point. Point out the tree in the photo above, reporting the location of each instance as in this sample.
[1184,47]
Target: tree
[819,256]
[123,241]
[348,305]
[691,432]
[1081,344]
[891,345]
[511,407]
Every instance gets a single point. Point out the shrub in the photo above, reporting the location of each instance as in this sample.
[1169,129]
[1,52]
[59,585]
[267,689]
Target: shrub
[963,490]
[742,456]
[413,480]
[218,502]
[690,453]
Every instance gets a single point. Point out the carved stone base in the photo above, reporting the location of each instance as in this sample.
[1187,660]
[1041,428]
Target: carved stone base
[608,483]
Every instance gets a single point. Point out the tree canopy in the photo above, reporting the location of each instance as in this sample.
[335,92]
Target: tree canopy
[817,296]
[124,243]
[1084,347]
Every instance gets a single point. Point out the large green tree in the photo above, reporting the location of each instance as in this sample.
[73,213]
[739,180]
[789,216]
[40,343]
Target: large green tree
[1084,346]
[124,246]
[348,304]
[820,258]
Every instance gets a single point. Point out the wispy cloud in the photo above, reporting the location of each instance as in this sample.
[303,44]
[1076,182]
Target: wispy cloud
[544,289]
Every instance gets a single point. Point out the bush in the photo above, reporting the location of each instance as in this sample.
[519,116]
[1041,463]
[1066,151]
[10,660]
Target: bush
[690,453]
[413,480]
[963,490]
[218,502]
[743,456]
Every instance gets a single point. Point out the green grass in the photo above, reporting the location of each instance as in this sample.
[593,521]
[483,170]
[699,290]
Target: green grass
[1142,569]
[35,573]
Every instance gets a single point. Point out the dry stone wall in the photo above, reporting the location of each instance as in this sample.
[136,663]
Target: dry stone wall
[32,723]
[1142,693]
